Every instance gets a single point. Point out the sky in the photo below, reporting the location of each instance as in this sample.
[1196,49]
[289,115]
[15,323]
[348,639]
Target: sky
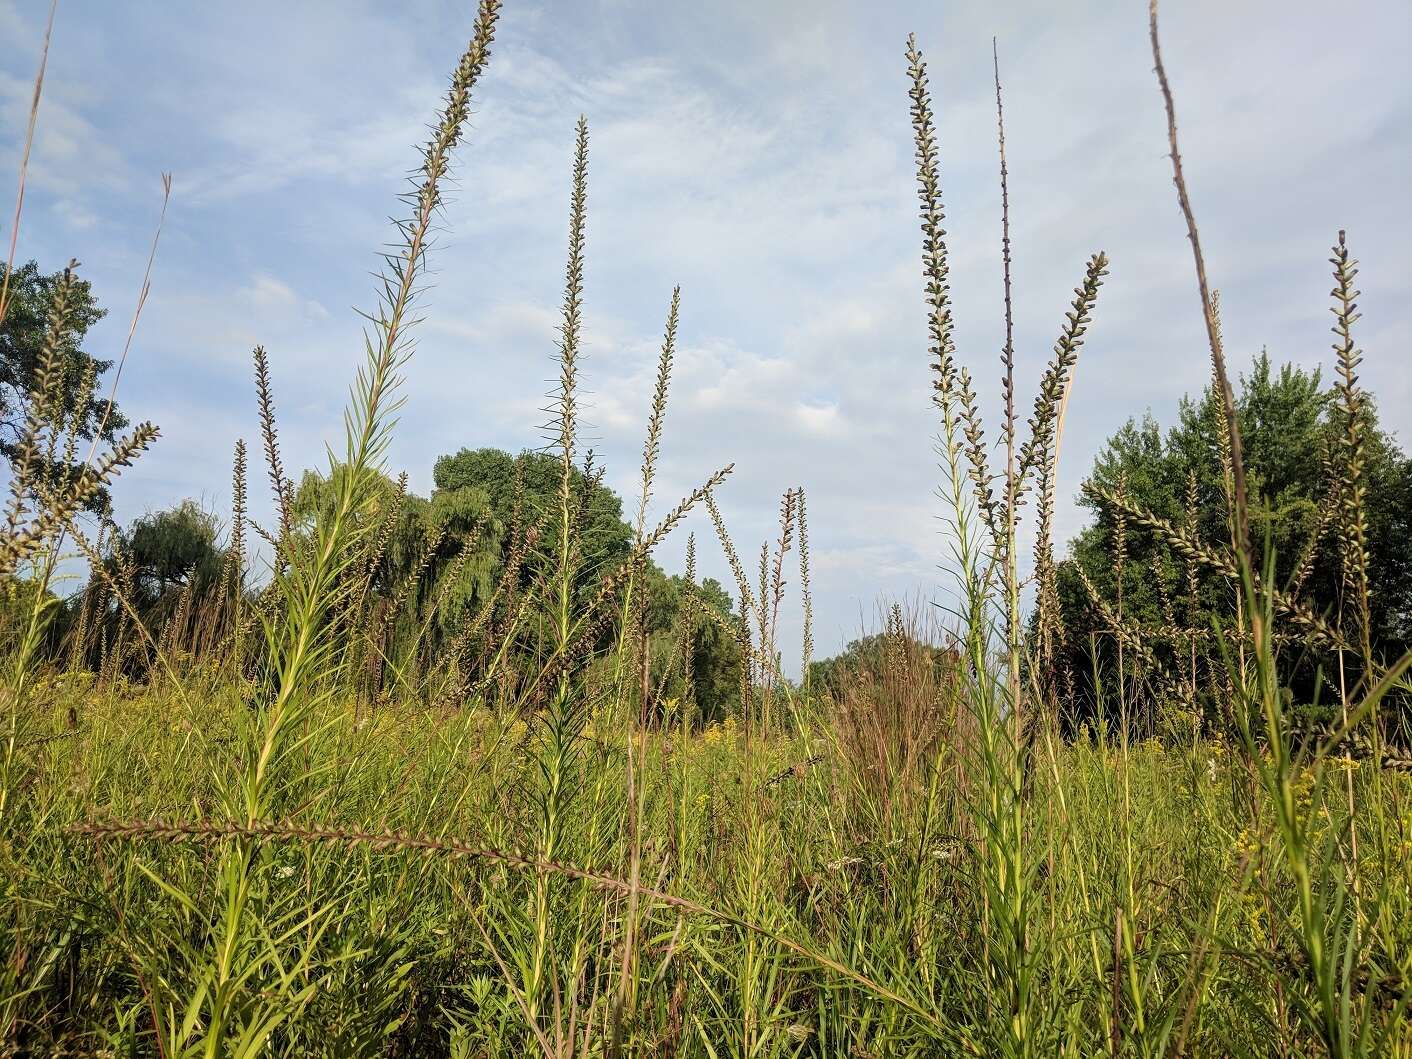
[758,154]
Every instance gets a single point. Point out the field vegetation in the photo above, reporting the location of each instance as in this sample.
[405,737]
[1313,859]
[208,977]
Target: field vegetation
[471,775]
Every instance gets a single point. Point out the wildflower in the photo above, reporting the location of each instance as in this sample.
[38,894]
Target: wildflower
[1304,790]
[1254,910]
[1247,843]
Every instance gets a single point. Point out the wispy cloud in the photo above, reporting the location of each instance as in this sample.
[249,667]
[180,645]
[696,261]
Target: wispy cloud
[760,156]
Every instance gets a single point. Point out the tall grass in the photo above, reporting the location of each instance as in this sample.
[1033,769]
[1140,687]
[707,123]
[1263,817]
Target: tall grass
[287,833]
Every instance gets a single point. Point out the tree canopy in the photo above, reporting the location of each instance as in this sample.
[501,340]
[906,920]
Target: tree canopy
[445,559]
[522,488]
[175,547]
[1288,421]
[22,336]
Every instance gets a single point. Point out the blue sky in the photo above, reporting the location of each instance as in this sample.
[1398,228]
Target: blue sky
[759,154]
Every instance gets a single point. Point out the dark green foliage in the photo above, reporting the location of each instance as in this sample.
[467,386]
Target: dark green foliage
[715,660]
[1289,424]
[676,634]
[173,549]
[484,501]
[166,564]
[466,522]
[520,489]
[21,341]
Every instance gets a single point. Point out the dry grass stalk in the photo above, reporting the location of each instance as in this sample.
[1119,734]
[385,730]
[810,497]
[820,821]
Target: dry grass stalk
[782,546]
[142,295]
[1309,625]
[280,486]
[805,592]
[1209,312]
[742,583]
[24,160]
[891,714]
[1352,493]
[232,589]
[653,445]
[566,402]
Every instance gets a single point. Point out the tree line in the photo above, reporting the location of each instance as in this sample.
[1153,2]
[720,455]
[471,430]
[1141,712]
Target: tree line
[1140,620]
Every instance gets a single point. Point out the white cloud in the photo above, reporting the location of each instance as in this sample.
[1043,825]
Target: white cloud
[74,214]
[760,156]
[69,155]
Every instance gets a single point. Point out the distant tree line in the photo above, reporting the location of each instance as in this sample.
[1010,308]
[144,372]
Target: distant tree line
[472,545]
[1290,421]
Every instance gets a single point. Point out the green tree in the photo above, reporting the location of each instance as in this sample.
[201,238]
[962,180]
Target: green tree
[449,552]
[522,488]
[1288,423]
[678,633]
[171,549]
[21,341]
[441,553]
[518,490]
[868,656]
[171,554]
[715,659]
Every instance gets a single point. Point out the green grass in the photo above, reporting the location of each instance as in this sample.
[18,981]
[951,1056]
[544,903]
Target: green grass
[1161,908]
[241,855]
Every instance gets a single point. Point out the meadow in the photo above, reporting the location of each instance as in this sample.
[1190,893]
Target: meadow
[322,801]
